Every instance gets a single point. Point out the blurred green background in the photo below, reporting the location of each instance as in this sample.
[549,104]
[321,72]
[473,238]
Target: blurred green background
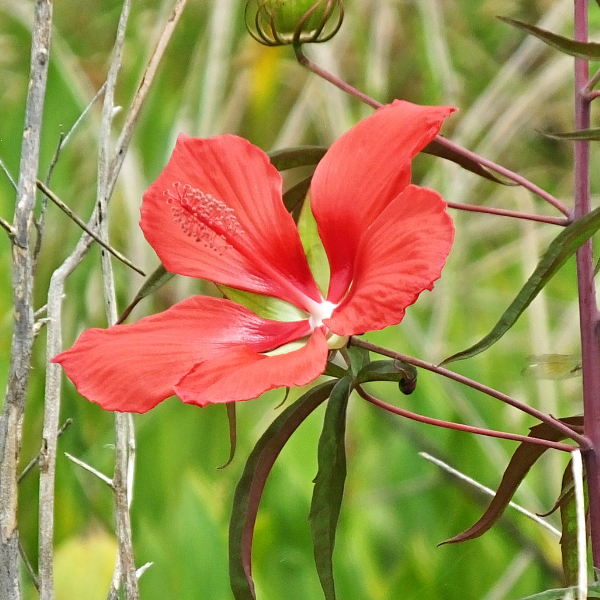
[397,506]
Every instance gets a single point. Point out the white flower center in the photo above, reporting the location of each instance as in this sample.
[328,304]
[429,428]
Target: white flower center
[318,312]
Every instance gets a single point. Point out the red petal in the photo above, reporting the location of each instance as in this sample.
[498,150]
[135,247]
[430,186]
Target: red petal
[216,213]
[400,255]
[131,368]
[361,174]
[243,374]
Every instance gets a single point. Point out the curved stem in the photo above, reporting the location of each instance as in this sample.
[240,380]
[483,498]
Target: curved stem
[317,70]
[583,441]
[564,221]
[460,427]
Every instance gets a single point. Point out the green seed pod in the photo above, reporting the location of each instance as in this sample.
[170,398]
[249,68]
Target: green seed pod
[280,22]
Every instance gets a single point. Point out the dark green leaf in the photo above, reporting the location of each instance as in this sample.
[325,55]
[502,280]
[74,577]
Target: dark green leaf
[583,134]
[585,50]
[293,198]
[299,156]
[252,482]
[157,279]
[559,251]
[232,420]
[435,148]
[390,370]
[520,463]
[329,484]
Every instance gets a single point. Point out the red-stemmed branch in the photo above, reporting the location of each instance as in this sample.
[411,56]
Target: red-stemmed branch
[460,426]
[484,162]
[582,440]
[588,309]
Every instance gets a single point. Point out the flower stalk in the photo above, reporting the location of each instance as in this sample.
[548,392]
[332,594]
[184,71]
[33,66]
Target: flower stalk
[588,310]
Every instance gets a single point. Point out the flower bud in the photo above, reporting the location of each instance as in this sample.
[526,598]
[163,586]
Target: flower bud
[279,22]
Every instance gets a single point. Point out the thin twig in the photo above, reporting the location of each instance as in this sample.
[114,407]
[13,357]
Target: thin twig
[107,480]
[64,139]
[564,221]
[65,208]
[6,225]
[522,181]
[446,467]
[29,567]
[558,425]
[8,175]
[591,84]
[515,437]
[36,459]
[141,94]
[125,567]
[11,420]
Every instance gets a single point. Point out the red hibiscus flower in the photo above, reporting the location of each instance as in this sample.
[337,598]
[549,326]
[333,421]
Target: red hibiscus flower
[216,213]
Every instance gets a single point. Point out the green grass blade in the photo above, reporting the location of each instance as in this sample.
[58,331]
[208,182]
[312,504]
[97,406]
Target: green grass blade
[559,251]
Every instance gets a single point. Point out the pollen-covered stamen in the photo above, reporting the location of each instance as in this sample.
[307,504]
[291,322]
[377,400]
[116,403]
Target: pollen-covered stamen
[203,217]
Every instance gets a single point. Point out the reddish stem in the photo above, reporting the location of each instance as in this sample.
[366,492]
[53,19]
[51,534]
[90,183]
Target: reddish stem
[558,425]
[564,221]
[515,437]
[588,310]
[522,181]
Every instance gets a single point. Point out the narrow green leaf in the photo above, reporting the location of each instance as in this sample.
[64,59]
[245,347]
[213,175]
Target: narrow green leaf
[585,50]
[249,490]
[390,370]
[298,156]
[522,460]
[583,134]
[329,484]
[436,149]
[157,279]
[559,251]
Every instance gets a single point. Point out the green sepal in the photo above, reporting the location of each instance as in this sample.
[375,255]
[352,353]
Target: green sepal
[313,247]
[560,250]
[333,370]
[266,307]
[297,156]
[390,370]
[155,280]
[585,50]
[329,484]
[359,358]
